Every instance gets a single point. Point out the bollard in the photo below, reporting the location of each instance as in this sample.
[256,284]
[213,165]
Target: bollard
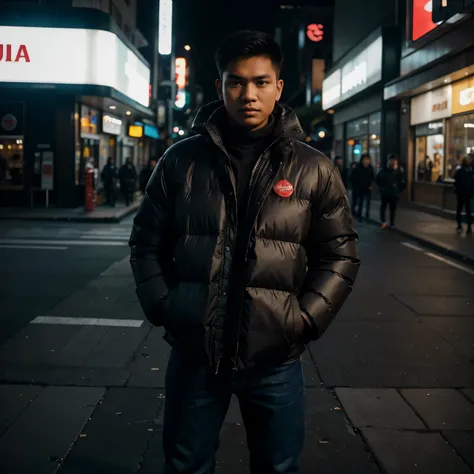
[89,201]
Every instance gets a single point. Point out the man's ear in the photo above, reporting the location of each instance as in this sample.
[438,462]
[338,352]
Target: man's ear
[219,89]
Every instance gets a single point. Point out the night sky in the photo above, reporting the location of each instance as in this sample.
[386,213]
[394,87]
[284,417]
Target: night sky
[204,23]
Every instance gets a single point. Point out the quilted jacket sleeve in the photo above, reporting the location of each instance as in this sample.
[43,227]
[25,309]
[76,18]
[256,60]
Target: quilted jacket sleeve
[152,244]
[332,250]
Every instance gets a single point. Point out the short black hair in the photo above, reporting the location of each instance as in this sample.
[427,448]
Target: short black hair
[247,44]
[392,156]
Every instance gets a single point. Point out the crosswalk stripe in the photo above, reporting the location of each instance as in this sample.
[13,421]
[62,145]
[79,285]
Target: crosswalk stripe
[33,247]
[115,243]
[127,323]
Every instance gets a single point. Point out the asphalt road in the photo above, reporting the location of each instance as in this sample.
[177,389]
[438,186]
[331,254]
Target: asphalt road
[43,263]
[81,389]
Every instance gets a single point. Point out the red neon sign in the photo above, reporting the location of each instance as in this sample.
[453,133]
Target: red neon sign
[315,32]
[421,19]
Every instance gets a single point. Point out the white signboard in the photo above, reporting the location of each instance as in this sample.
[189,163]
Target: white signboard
[362,71]
[72,56]
[165,28]
[332,89]
[111,125]
[47,170]
[434,105]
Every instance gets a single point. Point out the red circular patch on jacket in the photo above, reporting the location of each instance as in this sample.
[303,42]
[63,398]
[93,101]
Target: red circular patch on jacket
[283,188]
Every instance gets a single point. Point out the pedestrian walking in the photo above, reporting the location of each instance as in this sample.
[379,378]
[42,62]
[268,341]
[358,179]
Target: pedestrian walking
[109,180]
[128,181]
[391,182]
[244,249]
[343,171]
[145,174]
[464,188]
[362,178]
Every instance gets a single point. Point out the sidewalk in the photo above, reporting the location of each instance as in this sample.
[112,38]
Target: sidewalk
[102,214]
[436,232]
[393,391]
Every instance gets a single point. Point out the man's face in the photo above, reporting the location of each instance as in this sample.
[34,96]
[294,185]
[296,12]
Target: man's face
[249,88]
[393,164]
[153,163]
[366,162]
[339,162]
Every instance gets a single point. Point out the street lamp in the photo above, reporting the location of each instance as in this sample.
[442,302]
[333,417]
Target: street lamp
[187,47]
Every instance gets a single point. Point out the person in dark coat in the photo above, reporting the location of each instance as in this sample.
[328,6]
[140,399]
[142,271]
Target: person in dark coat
[362,178]
[344,172]
[145,175]
[244,249]
[128,181]
[391,182]
[109,179]
[464,188]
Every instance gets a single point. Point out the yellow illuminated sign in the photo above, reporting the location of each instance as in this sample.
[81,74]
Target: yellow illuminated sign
[135,131]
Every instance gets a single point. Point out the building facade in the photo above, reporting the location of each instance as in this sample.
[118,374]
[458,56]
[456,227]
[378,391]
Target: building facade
[407,87]
[436,92]
[365,57]
[71,85]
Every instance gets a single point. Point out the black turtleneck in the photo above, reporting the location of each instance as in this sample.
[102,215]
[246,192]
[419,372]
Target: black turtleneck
[244,147]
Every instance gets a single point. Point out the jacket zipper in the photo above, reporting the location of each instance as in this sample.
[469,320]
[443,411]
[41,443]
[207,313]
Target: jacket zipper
[254,170]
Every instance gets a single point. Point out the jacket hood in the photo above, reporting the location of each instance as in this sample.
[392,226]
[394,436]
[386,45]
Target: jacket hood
[210,116]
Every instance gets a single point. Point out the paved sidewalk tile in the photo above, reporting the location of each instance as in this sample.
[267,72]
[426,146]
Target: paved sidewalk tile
[441,409]
[45,431]
[463,443]
[117,434]
[378,408]
[148,367]
[405,452]
[469,393]
[13,400]
[434,305]
[390,354]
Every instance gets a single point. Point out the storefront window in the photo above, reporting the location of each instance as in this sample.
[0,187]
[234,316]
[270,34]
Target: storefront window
[374,140]
[460,142]
[89,120]
[429,152]
[357,133]
[11,161]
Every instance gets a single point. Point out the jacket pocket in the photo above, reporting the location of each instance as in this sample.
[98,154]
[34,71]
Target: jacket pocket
[294,327]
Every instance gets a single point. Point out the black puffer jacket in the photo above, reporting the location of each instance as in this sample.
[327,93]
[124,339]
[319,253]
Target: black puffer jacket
[301,253]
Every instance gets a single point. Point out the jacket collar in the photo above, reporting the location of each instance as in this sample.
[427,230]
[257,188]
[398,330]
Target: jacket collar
[209,119]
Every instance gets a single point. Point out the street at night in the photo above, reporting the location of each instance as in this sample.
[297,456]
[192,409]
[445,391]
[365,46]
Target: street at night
[83,374]
[237,238]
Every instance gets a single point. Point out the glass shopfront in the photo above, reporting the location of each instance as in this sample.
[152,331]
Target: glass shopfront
[11,146]
[363,136]
[460,141]
[429,152]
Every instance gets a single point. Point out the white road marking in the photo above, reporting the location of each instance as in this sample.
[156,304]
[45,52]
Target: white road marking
[439,258]
[99,237]
[33,247]
[105,243]
[126,323]
[412,246]
[449,262]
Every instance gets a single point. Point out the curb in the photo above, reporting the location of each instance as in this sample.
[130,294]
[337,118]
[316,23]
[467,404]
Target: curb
[454,254]
[82,219]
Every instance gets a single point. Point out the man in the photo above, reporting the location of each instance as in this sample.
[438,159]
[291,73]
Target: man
[344,172]
[362,178]
[145,174]
[244,249]
[128,181]
[391,182]
[109,180]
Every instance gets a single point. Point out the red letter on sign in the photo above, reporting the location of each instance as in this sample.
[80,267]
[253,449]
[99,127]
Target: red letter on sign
[22,54]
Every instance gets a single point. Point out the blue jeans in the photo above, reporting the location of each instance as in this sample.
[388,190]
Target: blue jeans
[272,406]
